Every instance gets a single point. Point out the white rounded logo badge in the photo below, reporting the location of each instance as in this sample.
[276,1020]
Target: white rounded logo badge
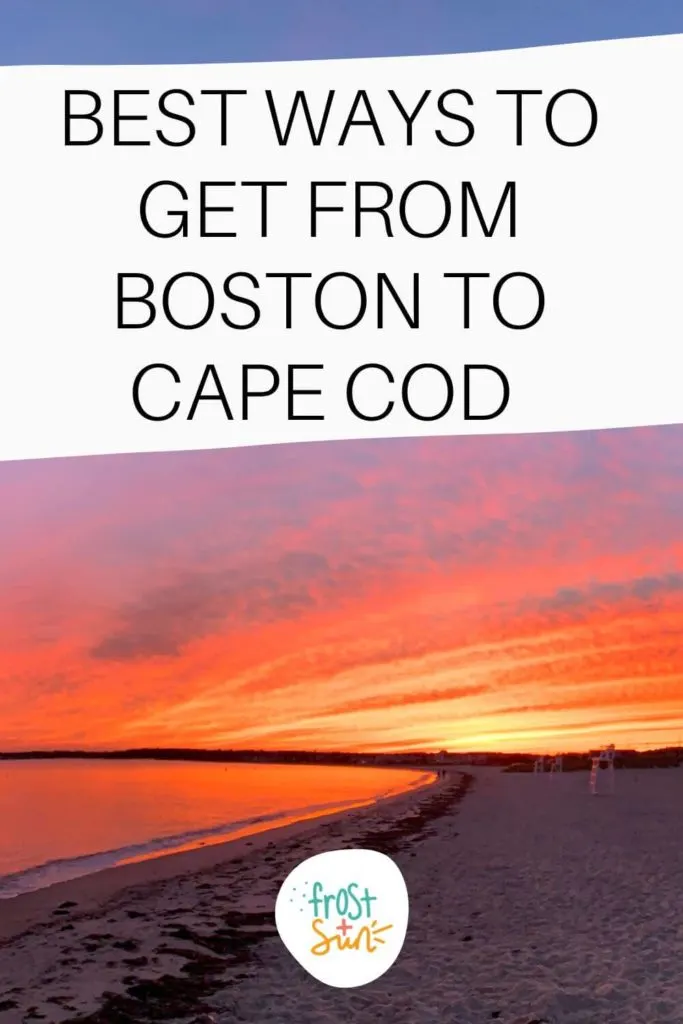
[343,916]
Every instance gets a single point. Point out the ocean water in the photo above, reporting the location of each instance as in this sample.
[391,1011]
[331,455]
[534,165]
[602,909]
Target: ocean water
[63,819]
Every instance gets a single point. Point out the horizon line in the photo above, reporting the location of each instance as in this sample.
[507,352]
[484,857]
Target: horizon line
[244,751]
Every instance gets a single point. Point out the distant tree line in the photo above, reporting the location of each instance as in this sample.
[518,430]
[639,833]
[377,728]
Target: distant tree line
[666,757]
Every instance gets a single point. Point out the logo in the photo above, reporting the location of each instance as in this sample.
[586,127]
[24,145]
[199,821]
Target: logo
[343,916]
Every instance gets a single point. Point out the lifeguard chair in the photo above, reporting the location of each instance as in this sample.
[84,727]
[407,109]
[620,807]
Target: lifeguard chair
[605,756]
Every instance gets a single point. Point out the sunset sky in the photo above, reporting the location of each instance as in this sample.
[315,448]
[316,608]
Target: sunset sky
[467,593]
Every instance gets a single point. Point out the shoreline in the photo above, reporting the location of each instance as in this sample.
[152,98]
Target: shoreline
[160,939]
[20,913]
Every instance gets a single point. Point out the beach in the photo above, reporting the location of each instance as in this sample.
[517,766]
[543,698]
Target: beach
[532,902]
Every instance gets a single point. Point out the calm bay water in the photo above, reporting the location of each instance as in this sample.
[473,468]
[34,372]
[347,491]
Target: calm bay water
[64,819]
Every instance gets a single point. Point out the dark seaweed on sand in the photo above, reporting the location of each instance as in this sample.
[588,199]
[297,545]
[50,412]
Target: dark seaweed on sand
[172,998]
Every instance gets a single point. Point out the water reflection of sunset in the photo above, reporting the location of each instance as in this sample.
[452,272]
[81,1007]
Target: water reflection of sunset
[450,592]
[96,814]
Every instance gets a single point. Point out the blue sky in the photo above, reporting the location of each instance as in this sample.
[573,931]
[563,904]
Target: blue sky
[188,31]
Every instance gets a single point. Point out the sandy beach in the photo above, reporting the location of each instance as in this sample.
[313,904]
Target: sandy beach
[531,903]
